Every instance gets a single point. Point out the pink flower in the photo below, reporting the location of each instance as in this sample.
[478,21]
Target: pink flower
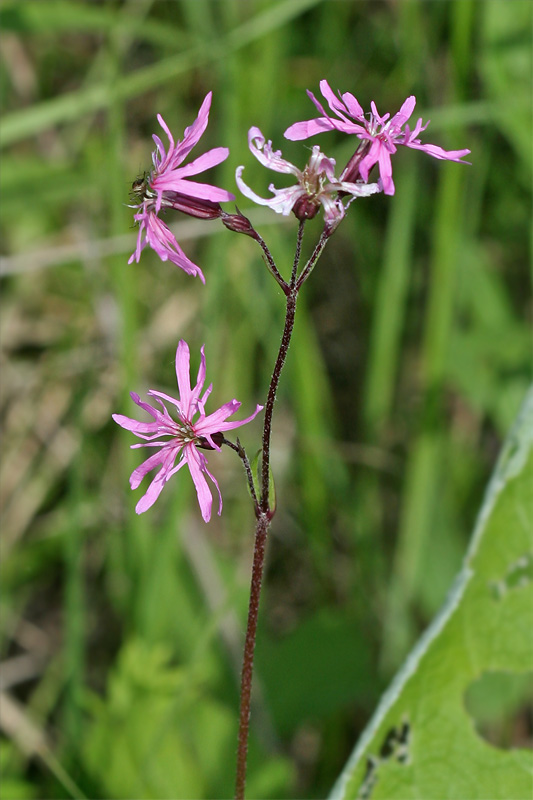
[184,435]
[317,184]
[381,133]
[167,186]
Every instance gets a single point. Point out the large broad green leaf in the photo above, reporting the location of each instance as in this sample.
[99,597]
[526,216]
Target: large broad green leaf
[422,741]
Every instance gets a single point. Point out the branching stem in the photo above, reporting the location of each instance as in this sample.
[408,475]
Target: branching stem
[264,511]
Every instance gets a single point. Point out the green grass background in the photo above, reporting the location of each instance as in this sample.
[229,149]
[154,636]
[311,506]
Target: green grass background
[122,635]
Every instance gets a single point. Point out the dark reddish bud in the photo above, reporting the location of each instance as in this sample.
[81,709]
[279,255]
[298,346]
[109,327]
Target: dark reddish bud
[239,224]
[217,438]
[305,208]
[193,206]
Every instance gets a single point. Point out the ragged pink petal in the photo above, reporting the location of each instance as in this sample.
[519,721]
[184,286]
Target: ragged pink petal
[182,435]
[384,131]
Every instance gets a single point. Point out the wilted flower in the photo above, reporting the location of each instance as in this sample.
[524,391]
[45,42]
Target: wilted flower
[317,184]
[382,133]
[185,435]
[167,186]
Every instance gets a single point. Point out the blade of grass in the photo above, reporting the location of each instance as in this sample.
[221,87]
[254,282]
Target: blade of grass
[424,462]
[387,324]
[68,107]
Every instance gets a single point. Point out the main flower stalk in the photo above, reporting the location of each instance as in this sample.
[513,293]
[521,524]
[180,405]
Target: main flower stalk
[265,511]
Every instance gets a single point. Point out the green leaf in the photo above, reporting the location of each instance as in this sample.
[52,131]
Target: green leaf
[421,741]
[255,466]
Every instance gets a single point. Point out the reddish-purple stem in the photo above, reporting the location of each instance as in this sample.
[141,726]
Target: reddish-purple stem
[265,512]
[261,530]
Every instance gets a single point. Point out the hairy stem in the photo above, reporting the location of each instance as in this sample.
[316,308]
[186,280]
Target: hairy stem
[269,261]
[241,452]
[315,255]
[271,398]
[264,515]
[297,254]
[261,530]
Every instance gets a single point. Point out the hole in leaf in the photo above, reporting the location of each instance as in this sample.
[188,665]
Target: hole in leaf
[395,746]
[518,574]
[501,706]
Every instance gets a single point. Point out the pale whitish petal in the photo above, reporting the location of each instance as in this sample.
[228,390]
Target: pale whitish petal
[283,200]
[321,163]
[246,191]
[333,210]
[359,189]
[272,159]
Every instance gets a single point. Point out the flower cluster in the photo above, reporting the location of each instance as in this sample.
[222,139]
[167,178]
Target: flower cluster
[167,186]
[181,436]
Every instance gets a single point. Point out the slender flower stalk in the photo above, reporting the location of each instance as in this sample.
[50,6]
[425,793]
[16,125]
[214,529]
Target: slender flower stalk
[266,511]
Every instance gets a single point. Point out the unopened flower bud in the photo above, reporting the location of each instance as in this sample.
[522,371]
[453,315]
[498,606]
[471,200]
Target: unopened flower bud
[239,224]
[217,438]
[193,206]
[305,208]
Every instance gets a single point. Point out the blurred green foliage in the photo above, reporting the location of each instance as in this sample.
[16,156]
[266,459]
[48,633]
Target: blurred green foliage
[122,635]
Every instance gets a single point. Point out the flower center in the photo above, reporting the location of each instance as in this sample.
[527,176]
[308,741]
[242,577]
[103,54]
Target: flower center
[313,182]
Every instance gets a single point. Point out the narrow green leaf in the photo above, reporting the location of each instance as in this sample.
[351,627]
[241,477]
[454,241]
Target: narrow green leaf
[255,466]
